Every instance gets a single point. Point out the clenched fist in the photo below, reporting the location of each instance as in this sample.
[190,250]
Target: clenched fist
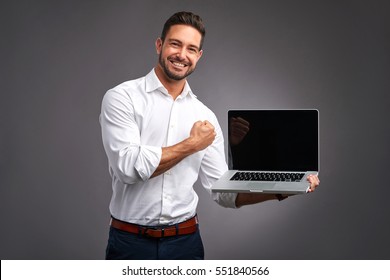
[202,135]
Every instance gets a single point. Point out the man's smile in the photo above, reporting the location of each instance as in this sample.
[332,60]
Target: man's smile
[177,64]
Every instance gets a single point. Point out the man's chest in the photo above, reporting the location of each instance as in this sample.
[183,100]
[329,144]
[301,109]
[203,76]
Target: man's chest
[166,122]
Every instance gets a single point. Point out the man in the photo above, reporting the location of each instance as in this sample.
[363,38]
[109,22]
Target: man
[159,139]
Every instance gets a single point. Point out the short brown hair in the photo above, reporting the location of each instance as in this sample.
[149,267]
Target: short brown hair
[185,18]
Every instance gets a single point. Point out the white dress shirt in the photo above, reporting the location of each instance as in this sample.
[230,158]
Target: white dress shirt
[139,117]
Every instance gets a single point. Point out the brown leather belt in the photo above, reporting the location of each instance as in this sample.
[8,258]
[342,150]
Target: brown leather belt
[186,227]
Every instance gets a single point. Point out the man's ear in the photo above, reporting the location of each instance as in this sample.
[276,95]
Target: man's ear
[199,55]
[159,44]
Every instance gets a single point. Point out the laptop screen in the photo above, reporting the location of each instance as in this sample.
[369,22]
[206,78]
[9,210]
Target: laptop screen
[273,140]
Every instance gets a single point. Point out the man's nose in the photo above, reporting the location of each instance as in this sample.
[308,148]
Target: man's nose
[181,53]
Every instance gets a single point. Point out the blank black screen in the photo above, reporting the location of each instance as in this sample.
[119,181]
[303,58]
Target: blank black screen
[284,140]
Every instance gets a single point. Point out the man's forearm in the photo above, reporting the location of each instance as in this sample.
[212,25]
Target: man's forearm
[201,136]
[173,155]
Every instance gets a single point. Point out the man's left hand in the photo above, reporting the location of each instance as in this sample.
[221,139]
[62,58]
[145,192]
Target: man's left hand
[314,182]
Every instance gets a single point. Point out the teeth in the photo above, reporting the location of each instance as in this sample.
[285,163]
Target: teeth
[178,64]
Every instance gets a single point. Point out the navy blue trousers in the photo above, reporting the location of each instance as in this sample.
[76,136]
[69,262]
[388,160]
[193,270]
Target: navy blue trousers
[123,245]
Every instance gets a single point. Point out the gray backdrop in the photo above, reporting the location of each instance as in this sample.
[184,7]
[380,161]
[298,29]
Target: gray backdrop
[59,57]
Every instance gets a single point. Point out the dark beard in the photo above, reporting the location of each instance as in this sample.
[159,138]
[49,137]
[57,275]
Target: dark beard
[172,75]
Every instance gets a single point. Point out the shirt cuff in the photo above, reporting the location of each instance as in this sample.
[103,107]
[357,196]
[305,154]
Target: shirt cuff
[149,158]
[227,200]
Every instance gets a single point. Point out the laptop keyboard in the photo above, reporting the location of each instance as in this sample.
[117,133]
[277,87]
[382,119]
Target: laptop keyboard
[267,176]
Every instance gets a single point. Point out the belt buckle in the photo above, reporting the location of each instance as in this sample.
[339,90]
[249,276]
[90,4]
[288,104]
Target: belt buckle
[156,229]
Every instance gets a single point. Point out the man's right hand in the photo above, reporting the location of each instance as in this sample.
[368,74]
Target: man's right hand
[202,135]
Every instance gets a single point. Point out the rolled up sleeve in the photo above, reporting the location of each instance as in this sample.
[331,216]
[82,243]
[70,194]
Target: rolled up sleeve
[130,161]
[147,161]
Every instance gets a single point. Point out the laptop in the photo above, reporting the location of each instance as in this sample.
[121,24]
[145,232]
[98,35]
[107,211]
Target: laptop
[271,151]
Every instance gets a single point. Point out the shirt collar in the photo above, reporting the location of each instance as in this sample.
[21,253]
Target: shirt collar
[153,83]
